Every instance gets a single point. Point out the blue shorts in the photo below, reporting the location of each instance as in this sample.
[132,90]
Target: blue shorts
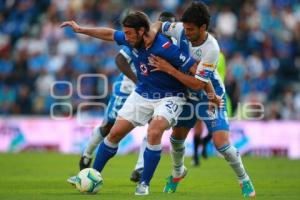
[115,103]
[198,110]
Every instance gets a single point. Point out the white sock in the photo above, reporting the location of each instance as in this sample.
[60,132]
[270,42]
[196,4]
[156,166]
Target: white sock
[140,161]
[110,144]
[232,156]
[94,141]
[177,154]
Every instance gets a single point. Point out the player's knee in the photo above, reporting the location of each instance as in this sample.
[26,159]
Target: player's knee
[220,138]
[154,136]
[114,136]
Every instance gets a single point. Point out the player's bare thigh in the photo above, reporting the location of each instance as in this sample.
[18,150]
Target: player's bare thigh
[119,130]
[156,128]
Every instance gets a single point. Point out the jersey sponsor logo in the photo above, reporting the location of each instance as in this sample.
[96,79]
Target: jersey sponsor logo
[182,57]
[166,45]
[208,65]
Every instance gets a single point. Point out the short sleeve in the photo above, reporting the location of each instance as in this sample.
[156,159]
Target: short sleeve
[207,65]
[119,37]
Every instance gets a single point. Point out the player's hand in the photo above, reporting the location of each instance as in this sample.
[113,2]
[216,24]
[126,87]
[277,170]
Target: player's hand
[216,102]
[72,24]
[213,104]
[160,64]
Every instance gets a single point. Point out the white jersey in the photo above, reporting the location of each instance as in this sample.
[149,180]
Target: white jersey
[207,54]
[123,85]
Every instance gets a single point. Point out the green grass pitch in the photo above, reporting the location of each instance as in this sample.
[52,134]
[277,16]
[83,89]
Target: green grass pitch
[43,176]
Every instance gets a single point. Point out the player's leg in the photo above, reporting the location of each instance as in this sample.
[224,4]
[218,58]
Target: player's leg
[109,147]
[101,131]
[166,112]
[185,122]
[233,157]
[197,141]
[218,125]
[205,142]
[98,135]
[152,153]
[133,113]
[177,152]
[139,167]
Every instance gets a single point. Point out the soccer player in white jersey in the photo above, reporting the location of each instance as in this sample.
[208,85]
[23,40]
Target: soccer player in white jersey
[192,37]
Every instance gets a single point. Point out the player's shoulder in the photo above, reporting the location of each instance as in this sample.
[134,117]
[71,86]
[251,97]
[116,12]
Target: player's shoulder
[211,43]
[162,42]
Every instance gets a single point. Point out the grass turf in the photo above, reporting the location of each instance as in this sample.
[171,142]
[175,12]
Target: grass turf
[43,176]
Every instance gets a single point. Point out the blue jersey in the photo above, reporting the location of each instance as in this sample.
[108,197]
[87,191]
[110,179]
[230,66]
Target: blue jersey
[157,84]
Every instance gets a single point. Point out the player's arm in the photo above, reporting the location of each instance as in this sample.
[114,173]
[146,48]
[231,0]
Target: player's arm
[102,33]
[170,29]
[188,80]
[156,26]
[124,66]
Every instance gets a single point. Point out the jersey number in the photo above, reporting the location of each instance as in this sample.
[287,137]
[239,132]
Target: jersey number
[172,106]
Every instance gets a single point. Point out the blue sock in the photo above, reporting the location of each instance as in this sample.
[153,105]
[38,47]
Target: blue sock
[151,160]
[105,152]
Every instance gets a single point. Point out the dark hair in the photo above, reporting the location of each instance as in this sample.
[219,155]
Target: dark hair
[197,13]
[167,17]
[136,20]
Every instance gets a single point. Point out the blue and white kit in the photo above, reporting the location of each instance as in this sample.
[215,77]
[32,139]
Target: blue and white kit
[157,93]
[207,55]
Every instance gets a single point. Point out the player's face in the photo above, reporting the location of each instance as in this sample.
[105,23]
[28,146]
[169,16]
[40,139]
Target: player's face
[192,32]
[133,37]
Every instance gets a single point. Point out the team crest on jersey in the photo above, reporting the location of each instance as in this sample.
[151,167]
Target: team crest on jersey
[198,53]
[144,69]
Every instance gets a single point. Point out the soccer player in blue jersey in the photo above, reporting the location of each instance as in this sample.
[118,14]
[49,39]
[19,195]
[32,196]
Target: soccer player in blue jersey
[192,37]
[123,86]
[158,96]
[139,167]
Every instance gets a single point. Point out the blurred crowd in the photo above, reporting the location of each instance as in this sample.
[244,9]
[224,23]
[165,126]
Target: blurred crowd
[259,38]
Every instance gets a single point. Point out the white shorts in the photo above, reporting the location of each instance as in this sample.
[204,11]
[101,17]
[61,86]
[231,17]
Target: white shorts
[139,110]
